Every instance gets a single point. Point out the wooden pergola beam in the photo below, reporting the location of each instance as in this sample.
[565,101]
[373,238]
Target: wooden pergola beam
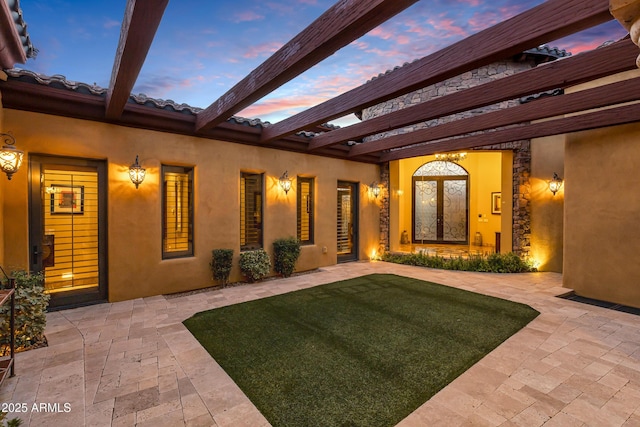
[549,21]
[139,26]
[344,22]
[569,71]
[602,96]
[603,118]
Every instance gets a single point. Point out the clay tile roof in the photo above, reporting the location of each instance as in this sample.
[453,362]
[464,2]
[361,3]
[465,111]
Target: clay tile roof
[59,81]
[21,28]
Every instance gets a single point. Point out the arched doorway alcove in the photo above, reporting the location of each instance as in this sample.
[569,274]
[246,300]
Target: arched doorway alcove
[440,208]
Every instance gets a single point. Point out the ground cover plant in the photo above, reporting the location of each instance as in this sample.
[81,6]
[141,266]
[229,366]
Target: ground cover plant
[492,263]
[30,314]
[361,352]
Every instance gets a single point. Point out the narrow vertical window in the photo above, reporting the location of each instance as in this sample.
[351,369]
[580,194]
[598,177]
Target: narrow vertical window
[251,211]
[305,210]
[177,211]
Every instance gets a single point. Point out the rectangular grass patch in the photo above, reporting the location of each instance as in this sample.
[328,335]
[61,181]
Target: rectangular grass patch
[361,352]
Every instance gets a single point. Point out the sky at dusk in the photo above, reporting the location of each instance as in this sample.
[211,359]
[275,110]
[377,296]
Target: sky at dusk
[203,47]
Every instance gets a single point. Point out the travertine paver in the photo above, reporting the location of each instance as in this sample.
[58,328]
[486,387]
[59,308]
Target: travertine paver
[134,363]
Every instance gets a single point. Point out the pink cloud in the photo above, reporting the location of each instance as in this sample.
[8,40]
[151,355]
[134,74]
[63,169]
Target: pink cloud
[447,26]
[264,49]
[285,106]
[247,16]
[481,20]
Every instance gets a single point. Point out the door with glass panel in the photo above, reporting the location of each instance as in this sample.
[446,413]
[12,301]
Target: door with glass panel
[440,203]
[68,228]
[347,221]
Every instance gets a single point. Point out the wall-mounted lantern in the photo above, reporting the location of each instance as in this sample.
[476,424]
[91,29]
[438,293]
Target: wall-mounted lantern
[10,156]
[137,173]
[375,189]
[555,183]
[285,182]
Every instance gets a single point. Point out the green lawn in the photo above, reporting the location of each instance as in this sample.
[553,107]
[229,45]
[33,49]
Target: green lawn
[359,352]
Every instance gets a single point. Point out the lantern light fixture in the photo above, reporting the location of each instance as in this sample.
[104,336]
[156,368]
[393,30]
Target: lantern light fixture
[555,184]
[285,182]
[375,189]
[10,156]
[137,173]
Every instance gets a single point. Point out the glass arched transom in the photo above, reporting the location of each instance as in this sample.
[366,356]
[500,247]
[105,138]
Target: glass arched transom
[440,203]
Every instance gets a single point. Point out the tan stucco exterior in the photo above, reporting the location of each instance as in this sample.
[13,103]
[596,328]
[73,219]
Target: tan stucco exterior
[547,158]
[135,265]
[601,239]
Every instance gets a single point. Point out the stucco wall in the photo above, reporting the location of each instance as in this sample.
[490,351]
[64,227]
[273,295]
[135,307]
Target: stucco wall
[134,216]
[547,158]
[602,241]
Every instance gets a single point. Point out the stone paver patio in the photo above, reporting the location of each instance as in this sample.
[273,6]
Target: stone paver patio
[134,363]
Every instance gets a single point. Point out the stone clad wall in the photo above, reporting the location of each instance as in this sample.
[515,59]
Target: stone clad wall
[521,149]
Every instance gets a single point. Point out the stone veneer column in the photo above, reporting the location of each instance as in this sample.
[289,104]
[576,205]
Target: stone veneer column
[385,208]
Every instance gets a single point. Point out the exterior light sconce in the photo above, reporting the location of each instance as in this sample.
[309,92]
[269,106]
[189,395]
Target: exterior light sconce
[555,183]
[10,156]
[137,173]
[285,182]
[375,189]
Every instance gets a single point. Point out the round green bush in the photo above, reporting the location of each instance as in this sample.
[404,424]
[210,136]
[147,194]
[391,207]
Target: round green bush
[285,252]
[255,265]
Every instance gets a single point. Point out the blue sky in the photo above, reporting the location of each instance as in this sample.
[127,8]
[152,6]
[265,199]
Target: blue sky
[204,47]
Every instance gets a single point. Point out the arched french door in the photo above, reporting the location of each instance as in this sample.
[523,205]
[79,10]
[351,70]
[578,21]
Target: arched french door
[440,203]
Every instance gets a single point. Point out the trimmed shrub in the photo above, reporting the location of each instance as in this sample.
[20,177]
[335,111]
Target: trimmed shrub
[493,263]
[30,315]
[221,263]
[285,254]
[255,265]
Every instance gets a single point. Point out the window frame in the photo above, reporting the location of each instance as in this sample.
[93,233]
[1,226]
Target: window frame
[189,171]
[310,209]
[259,244]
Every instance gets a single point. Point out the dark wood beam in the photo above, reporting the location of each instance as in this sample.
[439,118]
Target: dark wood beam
[139,26]
[549,21]
[573,70]
[603,118]
[602,96]
[344,22]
